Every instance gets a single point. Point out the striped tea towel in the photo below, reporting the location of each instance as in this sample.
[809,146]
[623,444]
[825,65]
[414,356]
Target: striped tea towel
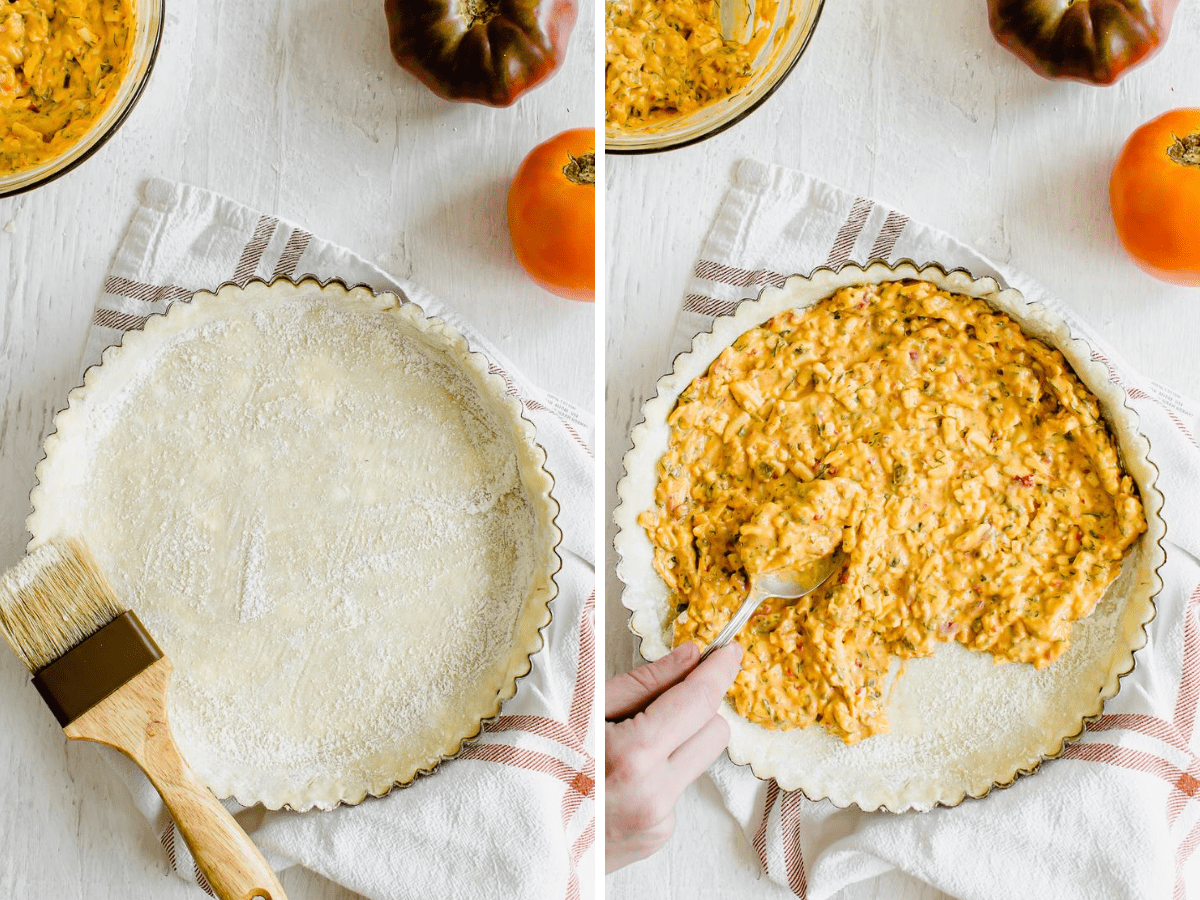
[1118,815]
[513,815]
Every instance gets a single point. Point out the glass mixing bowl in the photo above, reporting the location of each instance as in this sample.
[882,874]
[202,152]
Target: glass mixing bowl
[791,29]
[149,14]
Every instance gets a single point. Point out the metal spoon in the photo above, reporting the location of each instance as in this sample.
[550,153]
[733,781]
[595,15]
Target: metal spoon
[788,585]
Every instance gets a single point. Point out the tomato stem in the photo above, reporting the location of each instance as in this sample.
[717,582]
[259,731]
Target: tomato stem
[581,169]
[1186,150]
[481,11]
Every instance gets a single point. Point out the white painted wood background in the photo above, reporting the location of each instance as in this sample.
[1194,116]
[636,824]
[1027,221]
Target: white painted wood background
[296,108]
[914,104]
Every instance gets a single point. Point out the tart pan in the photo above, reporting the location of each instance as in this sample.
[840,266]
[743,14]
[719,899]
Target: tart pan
[960,724]
[299,651]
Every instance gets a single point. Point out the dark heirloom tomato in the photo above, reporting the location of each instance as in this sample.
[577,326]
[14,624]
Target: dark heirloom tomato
[489,51]
[1087,40]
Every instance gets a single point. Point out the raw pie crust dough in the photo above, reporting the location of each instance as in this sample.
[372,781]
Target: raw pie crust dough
[330,517]
[960,725]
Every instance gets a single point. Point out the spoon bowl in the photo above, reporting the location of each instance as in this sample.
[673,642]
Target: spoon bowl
[785,584]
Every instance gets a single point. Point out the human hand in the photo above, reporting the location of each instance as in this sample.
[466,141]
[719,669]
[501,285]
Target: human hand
[661,731]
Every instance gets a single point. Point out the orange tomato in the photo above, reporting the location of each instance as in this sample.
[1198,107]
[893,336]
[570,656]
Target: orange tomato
[552,214]
[1155,196]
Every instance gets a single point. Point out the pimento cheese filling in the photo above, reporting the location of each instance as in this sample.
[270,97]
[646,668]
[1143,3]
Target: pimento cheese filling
[61,63]
[668,57]
[961,465]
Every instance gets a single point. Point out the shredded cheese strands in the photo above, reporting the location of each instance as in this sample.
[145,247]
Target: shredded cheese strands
[962,466]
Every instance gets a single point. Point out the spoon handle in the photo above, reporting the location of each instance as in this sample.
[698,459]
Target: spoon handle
[737,623]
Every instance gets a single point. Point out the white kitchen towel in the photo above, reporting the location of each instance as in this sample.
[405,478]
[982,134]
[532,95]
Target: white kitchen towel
[1118,814]
[514,813]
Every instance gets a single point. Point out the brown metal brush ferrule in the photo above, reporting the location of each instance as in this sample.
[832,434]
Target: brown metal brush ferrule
[90,671]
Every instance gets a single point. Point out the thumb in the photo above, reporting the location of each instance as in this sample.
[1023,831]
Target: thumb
[630,693]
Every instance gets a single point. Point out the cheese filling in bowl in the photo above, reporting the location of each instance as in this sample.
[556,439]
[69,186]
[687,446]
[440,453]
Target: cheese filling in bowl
[664,59]
[989,487]
[70,72]
[679,71]
[60,65]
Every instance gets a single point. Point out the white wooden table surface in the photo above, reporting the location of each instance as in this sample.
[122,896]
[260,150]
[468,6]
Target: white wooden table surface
[296,108]
[915,105]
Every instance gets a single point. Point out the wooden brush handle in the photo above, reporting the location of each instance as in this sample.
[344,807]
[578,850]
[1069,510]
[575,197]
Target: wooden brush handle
[134,721]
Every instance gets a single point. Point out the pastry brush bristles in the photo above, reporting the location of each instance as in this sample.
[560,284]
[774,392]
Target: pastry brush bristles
[53,600]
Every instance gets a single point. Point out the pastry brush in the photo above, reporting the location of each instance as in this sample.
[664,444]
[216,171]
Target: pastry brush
[105,680]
